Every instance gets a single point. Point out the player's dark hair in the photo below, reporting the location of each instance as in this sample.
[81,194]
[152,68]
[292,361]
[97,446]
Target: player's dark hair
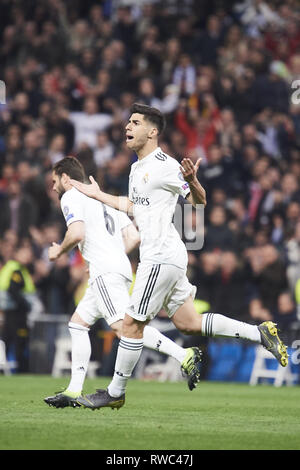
[150,114]
[71,167]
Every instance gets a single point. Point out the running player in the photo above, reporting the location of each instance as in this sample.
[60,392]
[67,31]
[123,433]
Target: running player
[155,182]
[103,235]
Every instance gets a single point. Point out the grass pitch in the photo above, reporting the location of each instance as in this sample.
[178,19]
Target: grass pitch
[219,416]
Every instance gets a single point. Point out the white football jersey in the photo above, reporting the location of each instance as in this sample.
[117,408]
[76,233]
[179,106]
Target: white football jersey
[155,183]
[103,247]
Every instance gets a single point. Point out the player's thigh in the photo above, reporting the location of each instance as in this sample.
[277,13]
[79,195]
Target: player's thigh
[117,328]
[111,291]
[180,293]
[86,312]
[152,284]
[186,319]
[76,318]
[107,298]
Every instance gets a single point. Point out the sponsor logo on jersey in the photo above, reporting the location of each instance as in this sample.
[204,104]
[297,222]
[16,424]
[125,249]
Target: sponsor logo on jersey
[141,201]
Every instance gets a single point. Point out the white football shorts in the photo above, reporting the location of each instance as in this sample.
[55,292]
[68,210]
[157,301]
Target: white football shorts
[106,297]
[159,286]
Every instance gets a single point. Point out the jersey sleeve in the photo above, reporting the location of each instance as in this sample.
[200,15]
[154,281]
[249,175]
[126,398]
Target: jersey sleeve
[174,181]
[72,207]
[130,182]
[130,195]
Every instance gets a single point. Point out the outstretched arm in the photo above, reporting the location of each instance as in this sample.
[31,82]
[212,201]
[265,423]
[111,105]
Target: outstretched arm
[189,172]
[121,203]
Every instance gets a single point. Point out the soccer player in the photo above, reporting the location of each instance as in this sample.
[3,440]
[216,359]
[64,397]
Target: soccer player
[103,235]
[155,182]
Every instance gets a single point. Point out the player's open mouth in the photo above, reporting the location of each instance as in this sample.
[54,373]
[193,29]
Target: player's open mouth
[129,137]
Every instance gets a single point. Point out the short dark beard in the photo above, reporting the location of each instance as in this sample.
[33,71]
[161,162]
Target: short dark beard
[61,192]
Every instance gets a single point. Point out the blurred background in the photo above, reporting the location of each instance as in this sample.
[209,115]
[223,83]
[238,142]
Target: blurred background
[222,73]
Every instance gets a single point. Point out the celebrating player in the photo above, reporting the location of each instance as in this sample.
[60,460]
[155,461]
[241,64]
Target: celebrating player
[155,182]
[103,235]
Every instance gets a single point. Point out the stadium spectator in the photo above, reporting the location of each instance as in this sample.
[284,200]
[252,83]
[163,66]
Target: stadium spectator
[209,41]
[286,312]
[268,275]
[292,254]
[231,292]
[257,312]
[184,76]
[104,150]
[18,210]
[218,235]
[146,93]
[16,285]
[88,123]
[32,185]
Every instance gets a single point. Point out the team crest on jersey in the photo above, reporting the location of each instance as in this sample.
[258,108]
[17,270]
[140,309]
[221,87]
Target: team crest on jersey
[146,178]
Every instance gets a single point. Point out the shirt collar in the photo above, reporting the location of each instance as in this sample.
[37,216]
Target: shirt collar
[149,156]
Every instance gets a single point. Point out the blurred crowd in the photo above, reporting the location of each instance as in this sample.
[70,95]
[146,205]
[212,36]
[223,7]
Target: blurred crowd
[221,72]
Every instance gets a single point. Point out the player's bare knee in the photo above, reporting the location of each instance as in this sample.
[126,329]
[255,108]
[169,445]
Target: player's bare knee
[117,328]
[188,328]
[132,328]
[76,318]
[118,332]
[188,331]
[188,323]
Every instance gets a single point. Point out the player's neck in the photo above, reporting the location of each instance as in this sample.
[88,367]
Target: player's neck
[148,148]
[68,186]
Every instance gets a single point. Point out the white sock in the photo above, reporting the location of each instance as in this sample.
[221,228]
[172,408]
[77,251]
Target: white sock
[81,353]
[128,354]
[214,324]
[153,339]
